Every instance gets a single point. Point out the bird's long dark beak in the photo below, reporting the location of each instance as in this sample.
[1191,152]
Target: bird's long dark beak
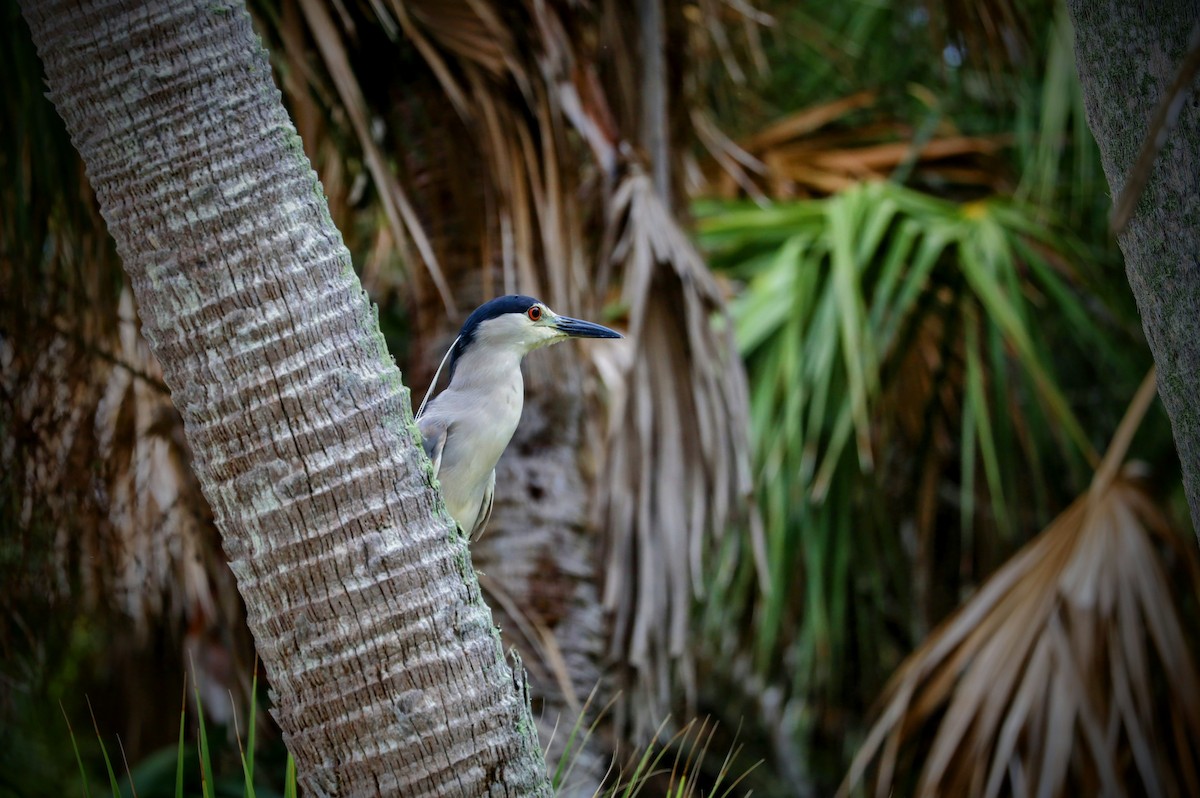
[577,328]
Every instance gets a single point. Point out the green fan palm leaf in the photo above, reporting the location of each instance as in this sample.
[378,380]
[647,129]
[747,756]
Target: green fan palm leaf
[896,354]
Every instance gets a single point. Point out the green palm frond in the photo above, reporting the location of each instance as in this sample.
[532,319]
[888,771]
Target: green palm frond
[902,377]
[1060,163]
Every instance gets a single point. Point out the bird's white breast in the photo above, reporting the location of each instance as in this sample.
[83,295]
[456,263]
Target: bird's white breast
[485,410]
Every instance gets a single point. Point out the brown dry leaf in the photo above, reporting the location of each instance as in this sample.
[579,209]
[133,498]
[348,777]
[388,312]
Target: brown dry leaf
[437,64]
[734,160]
[806,121]
[815,151]
[888,156]
[1067,673]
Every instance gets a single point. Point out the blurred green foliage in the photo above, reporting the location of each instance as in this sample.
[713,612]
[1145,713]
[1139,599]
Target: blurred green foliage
[931,376]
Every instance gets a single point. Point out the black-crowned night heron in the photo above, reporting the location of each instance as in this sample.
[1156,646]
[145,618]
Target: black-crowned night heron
[467,426]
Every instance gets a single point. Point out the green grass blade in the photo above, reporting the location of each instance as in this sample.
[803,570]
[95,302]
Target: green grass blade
[880,210]
[570,753]
[207,783]
[819,362]
[112,776]
[1000,307]
[1092,337]
[639,775]
[975,394]
[560,772]
[767,302]
[816,584]
[933,243]
[646,766]
[843,230]
[251,726]
[289,778]
[966,491]
[179,750]
[833,452]
[83,779]
[897,257]
[840,586]
[247,760]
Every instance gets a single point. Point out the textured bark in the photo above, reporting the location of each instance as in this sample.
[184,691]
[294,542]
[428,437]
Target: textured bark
[1127,54]
[385,668]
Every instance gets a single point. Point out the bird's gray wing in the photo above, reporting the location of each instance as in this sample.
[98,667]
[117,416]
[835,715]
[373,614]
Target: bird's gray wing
[434,432]
[485,508]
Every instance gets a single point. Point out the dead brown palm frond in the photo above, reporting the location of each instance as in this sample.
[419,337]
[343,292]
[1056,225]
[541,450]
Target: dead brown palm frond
[817,151]
[96,452]
[725,31]
[676,462]
[1068,672]
[167,560]
[93,429]
[807,120]
[510,85]
[736,162]
[692,417]
[396,205]
[90,446]
[470,30]
[96,495]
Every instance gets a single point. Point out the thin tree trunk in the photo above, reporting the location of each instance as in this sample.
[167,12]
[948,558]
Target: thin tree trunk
[386,672]
[1127,55]
[655,101]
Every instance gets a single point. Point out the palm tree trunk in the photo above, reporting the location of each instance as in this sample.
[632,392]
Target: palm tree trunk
[1127,55]
[386,672]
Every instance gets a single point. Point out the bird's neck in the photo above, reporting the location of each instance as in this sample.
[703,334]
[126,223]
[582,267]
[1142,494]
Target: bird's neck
[488,367]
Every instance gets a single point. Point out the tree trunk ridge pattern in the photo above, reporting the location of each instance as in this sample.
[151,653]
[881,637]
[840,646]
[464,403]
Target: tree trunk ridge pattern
[386,672]
[1127,55]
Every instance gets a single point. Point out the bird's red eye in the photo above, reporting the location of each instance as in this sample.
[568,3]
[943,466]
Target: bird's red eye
[534,313]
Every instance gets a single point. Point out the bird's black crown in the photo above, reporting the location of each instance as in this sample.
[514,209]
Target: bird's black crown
[513,303]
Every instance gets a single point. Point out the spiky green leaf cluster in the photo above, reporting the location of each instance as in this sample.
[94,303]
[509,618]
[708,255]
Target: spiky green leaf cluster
[907,375]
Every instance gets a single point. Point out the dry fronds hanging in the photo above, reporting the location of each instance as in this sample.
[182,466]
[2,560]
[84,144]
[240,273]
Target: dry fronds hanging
[401,217]
[1067,674]
[101,521]
[676,461]
[98,451]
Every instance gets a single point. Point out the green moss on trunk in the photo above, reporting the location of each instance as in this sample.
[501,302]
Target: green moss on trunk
[1128,54]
